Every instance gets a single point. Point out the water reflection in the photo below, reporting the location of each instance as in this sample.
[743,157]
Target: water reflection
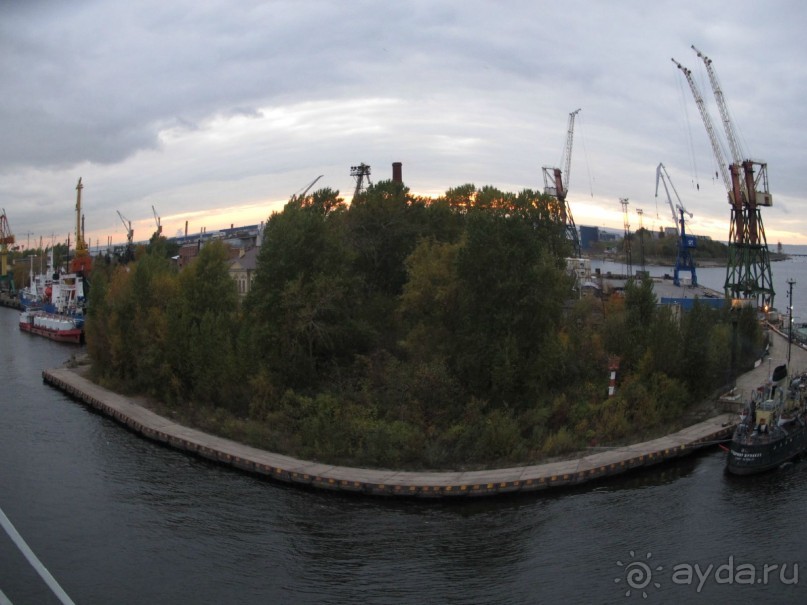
[122,520]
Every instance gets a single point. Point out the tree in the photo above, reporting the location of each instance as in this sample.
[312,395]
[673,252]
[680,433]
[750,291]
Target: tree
[384,225]
[302,306]
[511,290]
[699,367]
[203,333]
[428,305]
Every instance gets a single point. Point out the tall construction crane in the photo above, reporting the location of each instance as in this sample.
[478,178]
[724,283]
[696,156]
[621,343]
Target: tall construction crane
[556,184]
[6,239]
[748,271]
[157,220]
[129,231]
[683,258]
[311,184]
[82,261]
[728,127]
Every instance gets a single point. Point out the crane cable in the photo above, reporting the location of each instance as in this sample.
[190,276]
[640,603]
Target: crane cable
[585,155]
[692,158]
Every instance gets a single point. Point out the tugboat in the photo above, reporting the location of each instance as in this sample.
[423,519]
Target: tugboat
[773,429]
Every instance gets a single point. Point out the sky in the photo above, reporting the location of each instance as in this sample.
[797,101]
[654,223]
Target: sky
[216,112]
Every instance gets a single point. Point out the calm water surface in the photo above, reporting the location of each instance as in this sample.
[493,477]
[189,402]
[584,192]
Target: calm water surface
[120,520]
[795,268]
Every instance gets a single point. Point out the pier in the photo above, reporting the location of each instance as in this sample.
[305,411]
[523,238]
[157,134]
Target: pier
[390,483]
[6,300]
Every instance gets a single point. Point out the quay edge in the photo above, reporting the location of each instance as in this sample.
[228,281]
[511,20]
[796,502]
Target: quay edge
[9,301]
[389,483]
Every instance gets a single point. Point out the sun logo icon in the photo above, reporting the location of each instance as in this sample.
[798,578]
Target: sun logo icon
[638,575]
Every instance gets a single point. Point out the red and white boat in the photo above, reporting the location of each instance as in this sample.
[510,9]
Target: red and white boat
[61,328]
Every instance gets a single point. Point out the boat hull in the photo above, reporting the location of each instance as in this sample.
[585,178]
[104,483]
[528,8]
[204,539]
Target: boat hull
[750,455]
[75,336]
[54,327]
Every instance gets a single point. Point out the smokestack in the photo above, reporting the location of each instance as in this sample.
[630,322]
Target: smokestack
[186,228]
[397,172]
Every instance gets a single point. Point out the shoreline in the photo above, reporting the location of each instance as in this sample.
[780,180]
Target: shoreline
[389,483]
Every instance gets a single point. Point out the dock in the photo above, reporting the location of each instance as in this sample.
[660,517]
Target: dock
[389,483]
[6,300]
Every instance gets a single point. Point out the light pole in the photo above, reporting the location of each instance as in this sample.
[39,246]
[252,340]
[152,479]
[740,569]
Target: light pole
[790,283]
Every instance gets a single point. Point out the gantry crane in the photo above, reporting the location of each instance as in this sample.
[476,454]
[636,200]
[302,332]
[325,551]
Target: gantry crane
[556,184]
[683,258]
[360,173]
[748,271]
[6,239]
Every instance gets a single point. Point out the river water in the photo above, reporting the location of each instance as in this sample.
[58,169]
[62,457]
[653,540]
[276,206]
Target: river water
[120,520]
[794,268]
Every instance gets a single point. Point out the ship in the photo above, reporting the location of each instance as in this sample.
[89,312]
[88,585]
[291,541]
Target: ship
[55,292]
[773,428]
[39,286]
[58,291]
[61,328]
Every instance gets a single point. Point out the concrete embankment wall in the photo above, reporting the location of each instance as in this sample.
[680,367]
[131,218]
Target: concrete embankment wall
[378,482]
[8,301]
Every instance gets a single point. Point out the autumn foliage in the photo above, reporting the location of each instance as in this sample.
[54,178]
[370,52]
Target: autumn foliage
[407,332]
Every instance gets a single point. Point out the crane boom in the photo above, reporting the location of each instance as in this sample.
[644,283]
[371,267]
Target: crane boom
[81,245]
[664,177]
[683,259]
[128,225]
[567,164]
[82,261]
[311,184]
[556,184]
[157,220]
[728,127]
[6,238]
[748,271]
[707,122]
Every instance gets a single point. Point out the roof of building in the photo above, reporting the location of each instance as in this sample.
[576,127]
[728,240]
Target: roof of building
[248,261]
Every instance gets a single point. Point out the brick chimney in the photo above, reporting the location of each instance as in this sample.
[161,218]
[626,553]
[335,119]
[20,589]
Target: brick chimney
[396,172]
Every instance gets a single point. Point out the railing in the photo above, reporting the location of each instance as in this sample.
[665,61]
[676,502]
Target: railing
[35,563]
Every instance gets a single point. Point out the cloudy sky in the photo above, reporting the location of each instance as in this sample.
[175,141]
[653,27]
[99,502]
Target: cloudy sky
[215,112]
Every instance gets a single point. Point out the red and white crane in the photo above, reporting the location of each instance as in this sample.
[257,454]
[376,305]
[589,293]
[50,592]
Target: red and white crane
[556,184]
[748,271]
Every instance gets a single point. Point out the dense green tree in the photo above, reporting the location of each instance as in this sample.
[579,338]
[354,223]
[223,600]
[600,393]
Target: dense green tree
[405,331]
[384,224]
[301,309]
[203,329]
[511,291]
[429,303]
[699,368]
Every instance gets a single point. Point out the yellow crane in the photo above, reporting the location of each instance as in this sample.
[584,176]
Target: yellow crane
[82,260]
[6,239]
